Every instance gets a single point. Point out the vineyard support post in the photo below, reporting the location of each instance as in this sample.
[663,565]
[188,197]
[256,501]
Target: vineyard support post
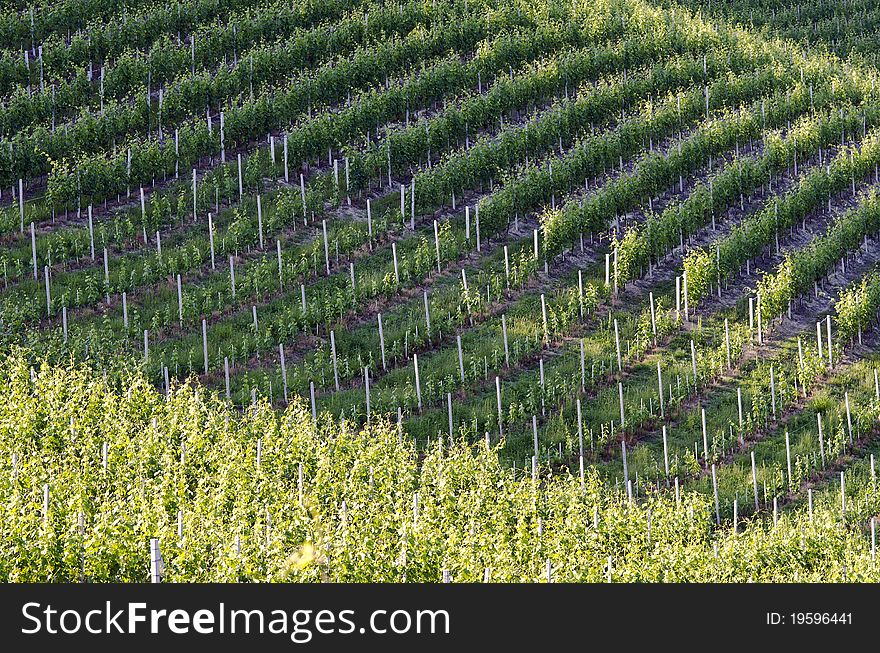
[283,369]
[535,433]
[498,398]
[665,455]
[504,334]
[660,390]
[326,247]
[34,249]
[333,358]
[226,374]
[830,347]
[849,427]
[48,293]
[754,480]
[418,382]
[773,391]
[260,220]
[382,341]
[91,233]
[211,239]
[437,246]
[427,313]
[155,561]
[705,435]
[366,384]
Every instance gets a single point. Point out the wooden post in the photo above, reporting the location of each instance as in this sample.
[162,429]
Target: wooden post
[504,334]
[394,254]
[366,368]
[48,293]
[684,292]
[830,347]
[620,394]
[449,410]
[694,362]
[544,319]
[232,275]
[773,392]
[283,369]
[535,433]
[625,467]
[876,385]
[34,249]
[498,397]
[314,407]
[653,316]
[665,455]
[848,418]
[302,292]
[739,406]
[21,200]
[286,169]
[327,247]
[821,438]
[195,196]
[226,374]
[754,480]
[660,390]
[427,313]
[124,310]
[437,246]
[280,265]
[260,220]
[64,321]
[477,224]
[91,233]
[370,224]
[705,435]
[240,185]
[155,561]
[211,239]
[418,383]
[333,358]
